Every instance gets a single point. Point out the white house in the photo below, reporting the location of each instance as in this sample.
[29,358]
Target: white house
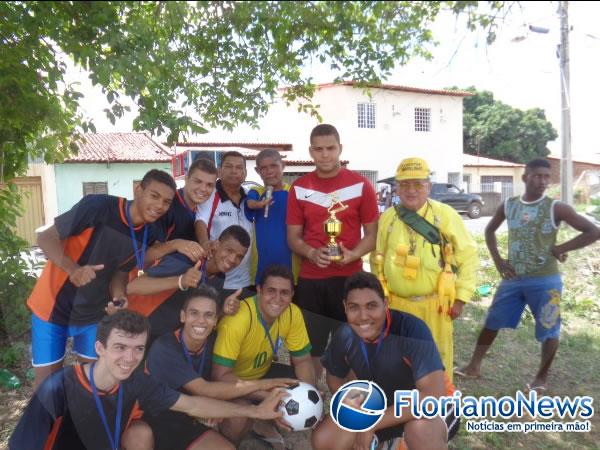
[376,130]
[482,174]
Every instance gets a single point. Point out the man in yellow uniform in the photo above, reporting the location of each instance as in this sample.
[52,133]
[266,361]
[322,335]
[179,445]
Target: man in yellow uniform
[425,258]
[247,345]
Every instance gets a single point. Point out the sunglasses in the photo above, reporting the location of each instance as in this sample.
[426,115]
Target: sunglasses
[413,185]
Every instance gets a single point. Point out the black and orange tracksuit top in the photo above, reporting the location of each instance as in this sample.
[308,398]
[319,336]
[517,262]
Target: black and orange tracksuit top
[95,231]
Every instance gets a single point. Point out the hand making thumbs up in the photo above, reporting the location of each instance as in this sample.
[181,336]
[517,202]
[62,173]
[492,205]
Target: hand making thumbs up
[231,305]
[192,277]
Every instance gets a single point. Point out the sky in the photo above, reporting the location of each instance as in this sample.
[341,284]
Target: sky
[520,68]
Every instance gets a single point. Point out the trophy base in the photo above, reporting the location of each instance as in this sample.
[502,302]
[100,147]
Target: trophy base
[335,253]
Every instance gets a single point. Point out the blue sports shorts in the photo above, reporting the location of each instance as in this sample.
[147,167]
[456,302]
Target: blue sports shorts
[542,294]
[49,341]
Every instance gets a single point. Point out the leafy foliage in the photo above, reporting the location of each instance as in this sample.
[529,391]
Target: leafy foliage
[221,61]
[496,130]
[187,65]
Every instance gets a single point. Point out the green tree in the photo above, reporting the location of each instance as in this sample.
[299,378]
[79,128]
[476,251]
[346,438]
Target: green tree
[496,130]
[220,61]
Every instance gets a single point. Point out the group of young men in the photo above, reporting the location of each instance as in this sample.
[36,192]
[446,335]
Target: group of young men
[215,282]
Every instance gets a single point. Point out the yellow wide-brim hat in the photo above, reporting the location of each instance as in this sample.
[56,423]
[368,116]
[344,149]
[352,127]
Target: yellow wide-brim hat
[412,169]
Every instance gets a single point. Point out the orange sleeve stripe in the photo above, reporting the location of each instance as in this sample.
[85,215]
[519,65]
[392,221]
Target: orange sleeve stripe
[146,304]
[136,413]
[52,436]
[43,297]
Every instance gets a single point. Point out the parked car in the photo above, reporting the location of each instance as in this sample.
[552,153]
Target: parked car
[457,198]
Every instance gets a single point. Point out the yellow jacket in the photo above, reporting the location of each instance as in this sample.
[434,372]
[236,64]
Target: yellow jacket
[392,231]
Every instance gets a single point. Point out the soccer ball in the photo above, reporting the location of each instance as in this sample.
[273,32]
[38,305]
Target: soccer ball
[303,408]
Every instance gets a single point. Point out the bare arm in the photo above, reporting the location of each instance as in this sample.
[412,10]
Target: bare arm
[224,390]
[225,374]
[191,249]
[589,232]
[49,241]
[317,256]
[210,408]
[118,284]
[504,267]
[304,369]
[147,285]
[490,232]
[201,231]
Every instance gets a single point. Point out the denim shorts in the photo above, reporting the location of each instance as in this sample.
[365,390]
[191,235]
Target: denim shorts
[542,294]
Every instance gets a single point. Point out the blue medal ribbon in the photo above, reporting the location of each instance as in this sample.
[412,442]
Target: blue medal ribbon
[203,274]
[188,356]
[363,347]
[114,441]
[274,347]
[140,254]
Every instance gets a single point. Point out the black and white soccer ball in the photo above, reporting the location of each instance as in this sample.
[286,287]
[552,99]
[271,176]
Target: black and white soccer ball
[303,408]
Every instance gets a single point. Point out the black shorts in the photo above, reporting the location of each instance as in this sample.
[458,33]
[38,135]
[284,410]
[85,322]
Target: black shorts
[452,425]
[279,370]
[174,430]
[321,302]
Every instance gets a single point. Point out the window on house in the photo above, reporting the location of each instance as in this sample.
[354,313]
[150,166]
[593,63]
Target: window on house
[366,115]
[422,119]
[100,187]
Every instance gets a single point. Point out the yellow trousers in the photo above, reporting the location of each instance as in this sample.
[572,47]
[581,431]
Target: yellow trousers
[436,315]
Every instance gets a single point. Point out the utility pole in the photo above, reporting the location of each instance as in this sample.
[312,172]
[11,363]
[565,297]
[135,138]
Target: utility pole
[566,163]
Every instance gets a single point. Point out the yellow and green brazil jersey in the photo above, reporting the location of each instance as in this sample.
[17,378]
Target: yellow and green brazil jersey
[242,342]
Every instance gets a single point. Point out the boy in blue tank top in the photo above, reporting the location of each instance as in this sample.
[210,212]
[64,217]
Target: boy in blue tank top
[530,275]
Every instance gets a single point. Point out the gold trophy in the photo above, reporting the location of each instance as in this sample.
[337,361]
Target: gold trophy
[333,228]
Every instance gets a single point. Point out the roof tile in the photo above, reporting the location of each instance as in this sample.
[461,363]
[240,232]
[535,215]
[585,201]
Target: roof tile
[120,147]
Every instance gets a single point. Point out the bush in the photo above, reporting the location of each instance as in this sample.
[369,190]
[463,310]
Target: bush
[16,282]
[16,273]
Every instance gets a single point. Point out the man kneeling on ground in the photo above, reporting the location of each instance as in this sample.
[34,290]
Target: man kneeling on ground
[183,360]
[86,406]
[248,343]
[396,351]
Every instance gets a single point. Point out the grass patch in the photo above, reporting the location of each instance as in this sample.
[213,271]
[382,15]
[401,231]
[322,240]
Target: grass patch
[514,357]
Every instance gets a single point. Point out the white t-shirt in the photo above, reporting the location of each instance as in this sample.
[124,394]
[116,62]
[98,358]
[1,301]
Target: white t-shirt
[225,215]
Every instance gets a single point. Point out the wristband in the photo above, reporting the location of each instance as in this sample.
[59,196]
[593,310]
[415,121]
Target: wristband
[180,285]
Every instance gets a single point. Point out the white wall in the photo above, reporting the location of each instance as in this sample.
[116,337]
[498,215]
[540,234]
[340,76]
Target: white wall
[46,173]
[382,147]
[118,176]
